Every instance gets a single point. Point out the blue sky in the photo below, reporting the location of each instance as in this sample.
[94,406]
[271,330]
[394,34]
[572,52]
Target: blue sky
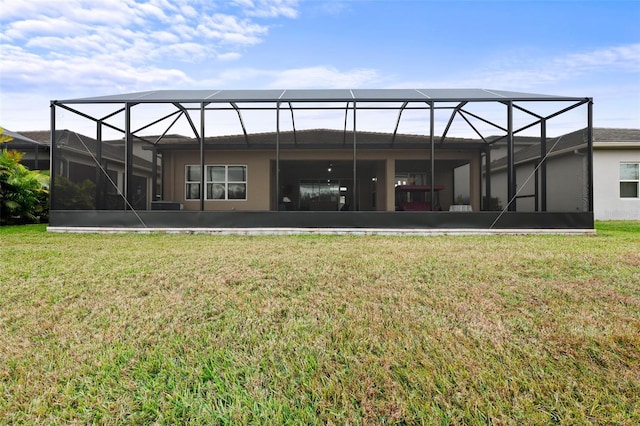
[76,48]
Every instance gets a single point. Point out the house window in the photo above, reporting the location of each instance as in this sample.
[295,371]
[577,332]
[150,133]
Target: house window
[629,180]
[222,182]
[192,180]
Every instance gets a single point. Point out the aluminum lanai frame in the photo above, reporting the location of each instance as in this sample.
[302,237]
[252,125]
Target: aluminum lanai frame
[353,99]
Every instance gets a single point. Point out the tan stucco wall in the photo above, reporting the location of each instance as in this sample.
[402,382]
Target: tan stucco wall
[260,184]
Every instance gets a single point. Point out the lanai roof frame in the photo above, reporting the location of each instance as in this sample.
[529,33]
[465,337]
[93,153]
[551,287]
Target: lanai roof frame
[238,99]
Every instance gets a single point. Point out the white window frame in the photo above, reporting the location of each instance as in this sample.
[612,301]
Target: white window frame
[207,182]
[636,181]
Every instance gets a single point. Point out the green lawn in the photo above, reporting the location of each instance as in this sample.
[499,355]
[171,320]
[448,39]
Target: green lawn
[200,329]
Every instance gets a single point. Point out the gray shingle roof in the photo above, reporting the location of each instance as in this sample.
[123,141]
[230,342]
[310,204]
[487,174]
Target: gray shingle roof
[570,141]
[616,135]
[302,138]
[317,139]
[67,138]
[20,140]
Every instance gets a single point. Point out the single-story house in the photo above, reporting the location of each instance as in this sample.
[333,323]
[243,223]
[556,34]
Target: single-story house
[342,177]
[36,150]
[616,168]
[86,183]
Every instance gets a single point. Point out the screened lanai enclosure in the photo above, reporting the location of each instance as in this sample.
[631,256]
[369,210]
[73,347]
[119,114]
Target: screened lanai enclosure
[381,159]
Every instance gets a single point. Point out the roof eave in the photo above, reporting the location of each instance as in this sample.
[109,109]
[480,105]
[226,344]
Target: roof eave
[616,145]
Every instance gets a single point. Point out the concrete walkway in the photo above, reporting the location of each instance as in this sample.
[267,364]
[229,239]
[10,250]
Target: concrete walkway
[321,231]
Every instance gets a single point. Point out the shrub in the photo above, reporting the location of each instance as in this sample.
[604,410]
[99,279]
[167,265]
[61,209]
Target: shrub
[495,203]
[74,196]
[24,193]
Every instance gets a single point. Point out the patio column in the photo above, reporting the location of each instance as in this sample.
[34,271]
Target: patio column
[390,184]
[475,185]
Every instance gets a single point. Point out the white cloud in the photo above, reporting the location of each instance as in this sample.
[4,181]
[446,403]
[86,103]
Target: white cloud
[165,36]
[77,48]
[230,56]
[184,52]
[24,29]
[324,77]
[62,43]
[317,77]
[149,9]
[134,29]
[269,8]
[230,29]
[78,74]
[20,8]
[623,57]
[535,73]
[189,11]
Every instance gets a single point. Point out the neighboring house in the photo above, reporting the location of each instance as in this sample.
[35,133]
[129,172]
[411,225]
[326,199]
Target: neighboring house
[616,170]
[616,164]
[36,152]
[79,164]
